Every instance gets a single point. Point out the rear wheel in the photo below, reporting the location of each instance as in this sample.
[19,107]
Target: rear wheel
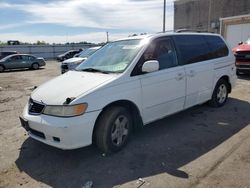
[113,129]
[35,66]
[1,68]
[220,94]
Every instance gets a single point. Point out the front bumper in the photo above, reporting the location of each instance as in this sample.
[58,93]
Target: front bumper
[66,67]
[243,65]
[63,133]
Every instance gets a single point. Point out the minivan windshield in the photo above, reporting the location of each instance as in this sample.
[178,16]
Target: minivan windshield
[88,52]
[114,57]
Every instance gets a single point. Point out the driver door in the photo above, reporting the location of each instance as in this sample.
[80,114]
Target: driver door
[163,91]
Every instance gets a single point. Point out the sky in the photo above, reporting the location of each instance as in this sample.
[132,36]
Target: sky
[61,21]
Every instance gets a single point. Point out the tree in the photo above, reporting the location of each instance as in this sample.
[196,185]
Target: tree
[41,42]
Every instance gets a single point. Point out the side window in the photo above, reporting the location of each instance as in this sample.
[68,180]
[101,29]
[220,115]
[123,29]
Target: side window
[165,54]
[15,58]
[25,58]
[31,58]
[161,50]
[217,46]
[192,48]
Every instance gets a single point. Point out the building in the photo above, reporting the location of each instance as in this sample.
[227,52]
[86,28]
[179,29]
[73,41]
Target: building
[230,18]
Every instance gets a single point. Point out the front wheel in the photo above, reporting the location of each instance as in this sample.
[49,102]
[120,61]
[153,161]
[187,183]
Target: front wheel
[113,129]
[35,66]
[1,68]
[220,94]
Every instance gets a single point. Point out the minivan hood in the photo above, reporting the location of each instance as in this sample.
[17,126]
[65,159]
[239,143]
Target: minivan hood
[243,47]
[73,60]
[70,84]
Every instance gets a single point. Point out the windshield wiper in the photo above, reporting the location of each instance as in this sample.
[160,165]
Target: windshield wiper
[95,70]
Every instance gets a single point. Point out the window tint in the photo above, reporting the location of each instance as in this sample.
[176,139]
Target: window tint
[165,54]
[32,58]
[192,48]
[25,57]
[217,46]
[15,58]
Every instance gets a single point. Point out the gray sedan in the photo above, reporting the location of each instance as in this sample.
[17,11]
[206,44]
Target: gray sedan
[18,61]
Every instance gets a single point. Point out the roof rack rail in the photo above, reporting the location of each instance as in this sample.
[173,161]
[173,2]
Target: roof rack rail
[190,30]
[165,31]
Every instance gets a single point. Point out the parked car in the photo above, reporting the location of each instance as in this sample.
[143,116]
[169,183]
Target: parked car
[67,55]
[242,54]
[129,83]
[18,61]
[72,63]
[4,54]
[80,51]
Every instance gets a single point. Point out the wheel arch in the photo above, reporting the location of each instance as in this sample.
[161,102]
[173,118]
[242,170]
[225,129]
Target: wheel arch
[3,66]
[131,106]
[225,77]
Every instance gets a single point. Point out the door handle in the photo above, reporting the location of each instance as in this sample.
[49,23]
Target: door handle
[191,73]
[179,76]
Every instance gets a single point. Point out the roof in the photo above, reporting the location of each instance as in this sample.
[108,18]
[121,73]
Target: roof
[156,35]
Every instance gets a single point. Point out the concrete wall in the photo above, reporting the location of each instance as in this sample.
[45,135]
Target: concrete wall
[204,15]
[45,51]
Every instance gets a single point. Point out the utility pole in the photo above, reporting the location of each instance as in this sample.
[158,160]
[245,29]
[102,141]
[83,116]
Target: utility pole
[164,16]
[107,36]
[209,16]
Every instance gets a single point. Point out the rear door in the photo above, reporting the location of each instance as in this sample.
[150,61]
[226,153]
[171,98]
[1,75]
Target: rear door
[163,91]
[196,57]
[13,62]
[25,61]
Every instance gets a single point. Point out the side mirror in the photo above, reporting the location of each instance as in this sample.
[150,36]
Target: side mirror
[240,43]
[150,66]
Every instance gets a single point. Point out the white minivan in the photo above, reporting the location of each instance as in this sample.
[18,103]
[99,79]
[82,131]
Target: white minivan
[129,83]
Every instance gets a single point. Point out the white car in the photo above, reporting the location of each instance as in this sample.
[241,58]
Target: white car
[72,63]
[127,84]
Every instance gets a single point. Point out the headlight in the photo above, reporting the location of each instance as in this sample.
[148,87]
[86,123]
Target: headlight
[65,110]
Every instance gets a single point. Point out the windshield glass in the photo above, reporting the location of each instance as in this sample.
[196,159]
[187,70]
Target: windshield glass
[88,52]
[113,57]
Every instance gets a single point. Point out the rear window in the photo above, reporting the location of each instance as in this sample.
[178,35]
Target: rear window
[217,46]
[197,48]
[192,48]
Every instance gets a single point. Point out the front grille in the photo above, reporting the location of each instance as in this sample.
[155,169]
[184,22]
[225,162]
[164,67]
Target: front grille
[35,107]
[37,133]
[64,66]
[242,56]
[243,66]
[243,52]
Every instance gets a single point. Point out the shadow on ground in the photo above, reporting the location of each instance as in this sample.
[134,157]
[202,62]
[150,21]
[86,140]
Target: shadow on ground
[162,147]
[244,76]
[20,70]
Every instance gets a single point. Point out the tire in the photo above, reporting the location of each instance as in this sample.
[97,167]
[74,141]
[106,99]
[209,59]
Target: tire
[113,129]
[35,66]
[238,72]
[1,68]
[220,94]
